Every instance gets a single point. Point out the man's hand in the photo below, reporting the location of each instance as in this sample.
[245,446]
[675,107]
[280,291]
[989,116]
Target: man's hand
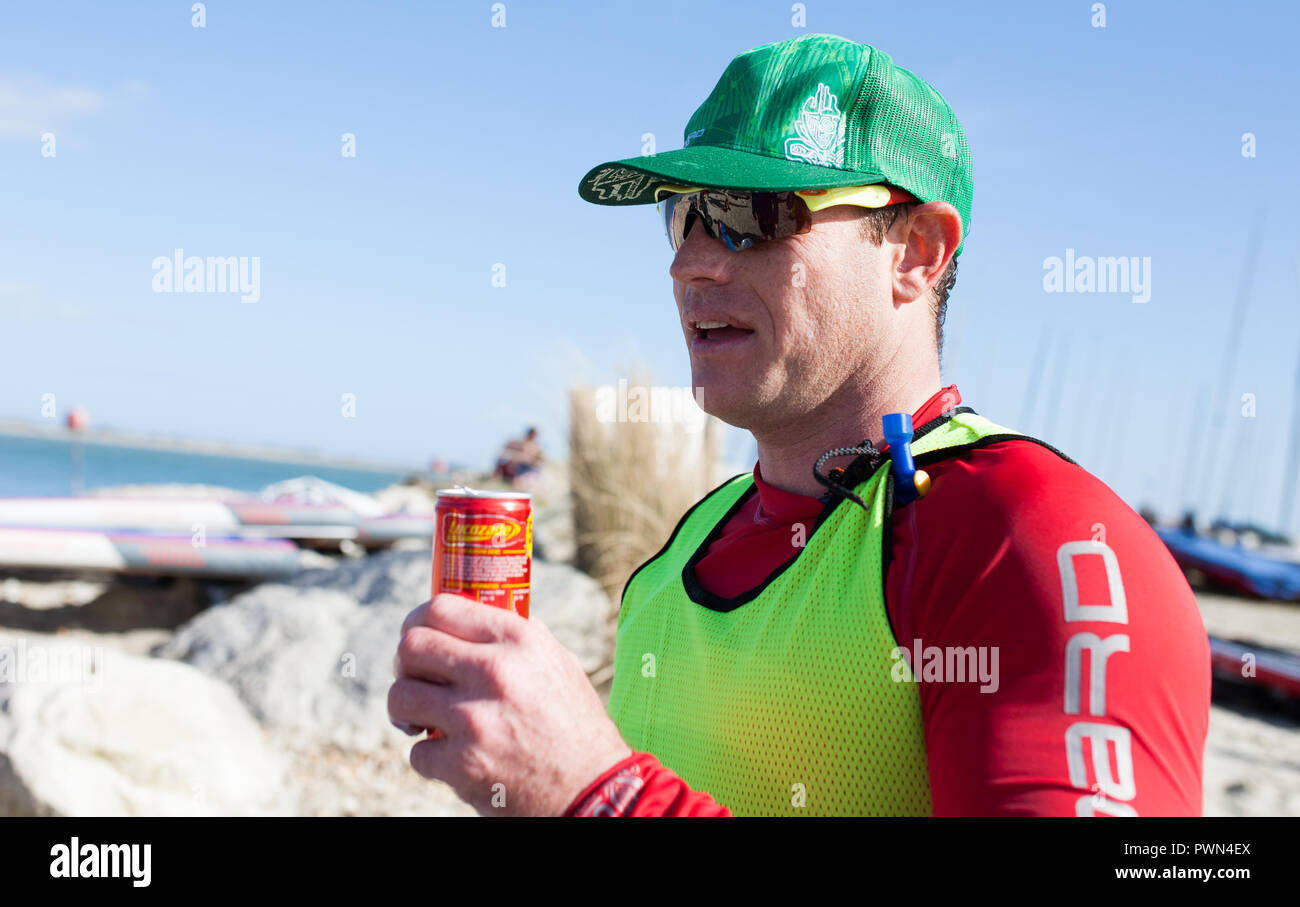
[524,730]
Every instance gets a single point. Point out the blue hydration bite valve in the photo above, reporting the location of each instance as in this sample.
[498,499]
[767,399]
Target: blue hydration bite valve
[909,483]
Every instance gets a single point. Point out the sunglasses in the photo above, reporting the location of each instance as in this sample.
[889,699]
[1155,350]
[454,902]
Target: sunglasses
[741,220]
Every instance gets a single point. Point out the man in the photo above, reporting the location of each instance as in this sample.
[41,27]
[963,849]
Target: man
[520,460]
[1017,641]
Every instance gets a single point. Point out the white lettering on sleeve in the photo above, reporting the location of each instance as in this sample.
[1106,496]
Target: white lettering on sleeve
[1109,786]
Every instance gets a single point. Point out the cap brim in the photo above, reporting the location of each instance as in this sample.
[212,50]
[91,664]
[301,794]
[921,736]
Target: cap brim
[633,181]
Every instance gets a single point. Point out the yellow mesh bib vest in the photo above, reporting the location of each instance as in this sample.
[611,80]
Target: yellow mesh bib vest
[780,701]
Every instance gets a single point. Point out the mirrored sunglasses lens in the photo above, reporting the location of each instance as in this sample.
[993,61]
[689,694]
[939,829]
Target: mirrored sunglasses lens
[755,217]
[678,212]
[739,220]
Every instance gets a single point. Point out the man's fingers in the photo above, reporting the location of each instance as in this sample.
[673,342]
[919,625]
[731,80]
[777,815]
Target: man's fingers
[432,655]
[431,758]
[415,618]
[419,704]
[462,617]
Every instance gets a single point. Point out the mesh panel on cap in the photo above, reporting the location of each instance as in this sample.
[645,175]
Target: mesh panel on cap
[906,129]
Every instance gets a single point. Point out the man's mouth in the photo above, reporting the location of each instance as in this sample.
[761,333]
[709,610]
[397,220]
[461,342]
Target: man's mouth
[716,334]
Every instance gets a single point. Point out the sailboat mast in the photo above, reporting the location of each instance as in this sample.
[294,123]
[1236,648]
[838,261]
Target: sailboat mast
[1292,462]
[1214,430]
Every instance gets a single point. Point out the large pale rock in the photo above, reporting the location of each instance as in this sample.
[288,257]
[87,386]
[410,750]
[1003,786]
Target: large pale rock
[92,731]
[553,538]
[314,655]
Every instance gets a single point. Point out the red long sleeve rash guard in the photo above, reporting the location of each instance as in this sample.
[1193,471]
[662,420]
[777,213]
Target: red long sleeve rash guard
[977,562]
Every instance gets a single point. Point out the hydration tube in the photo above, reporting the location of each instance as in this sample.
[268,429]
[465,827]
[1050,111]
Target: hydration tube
[910,483]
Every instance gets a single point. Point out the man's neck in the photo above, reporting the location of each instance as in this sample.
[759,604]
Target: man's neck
[786,454]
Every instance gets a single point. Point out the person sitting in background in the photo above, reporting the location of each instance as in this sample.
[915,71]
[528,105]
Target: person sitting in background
[521,460]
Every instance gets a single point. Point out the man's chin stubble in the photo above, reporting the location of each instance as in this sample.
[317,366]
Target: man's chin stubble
[752,415]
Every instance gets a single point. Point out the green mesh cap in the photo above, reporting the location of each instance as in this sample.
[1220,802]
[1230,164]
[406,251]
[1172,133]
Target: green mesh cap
[813,112]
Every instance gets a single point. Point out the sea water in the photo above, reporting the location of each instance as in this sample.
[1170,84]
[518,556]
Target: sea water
[54,467]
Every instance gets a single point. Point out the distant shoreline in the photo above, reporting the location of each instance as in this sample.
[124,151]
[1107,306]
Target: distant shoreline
[111,437]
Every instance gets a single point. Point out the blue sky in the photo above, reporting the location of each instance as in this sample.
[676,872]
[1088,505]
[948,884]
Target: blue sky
[376,270]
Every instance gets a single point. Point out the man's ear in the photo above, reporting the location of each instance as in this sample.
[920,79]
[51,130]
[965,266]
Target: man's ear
[930,236]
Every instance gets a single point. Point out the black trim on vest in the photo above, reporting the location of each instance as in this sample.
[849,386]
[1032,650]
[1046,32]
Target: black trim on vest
[851,478]
[701,596]
[938,420]
[673,535]
[935,456]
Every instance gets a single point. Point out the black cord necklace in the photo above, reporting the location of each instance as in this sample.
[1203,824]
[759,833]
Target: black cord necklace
[841,481]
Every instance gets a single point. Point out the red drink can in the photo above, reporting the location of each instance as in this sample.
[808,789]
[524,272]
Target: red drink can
[483,546]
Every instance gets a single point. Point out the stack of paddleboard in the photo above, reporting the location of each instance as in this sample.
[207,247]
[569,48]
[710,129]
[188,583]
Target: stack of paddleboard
[1254,573]
[1252,664]
[248,538]
[1271,574]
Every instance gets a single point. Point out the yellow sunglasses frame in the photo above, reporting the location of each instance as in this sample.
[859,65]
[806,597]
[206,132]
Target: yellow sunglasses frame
[876,196]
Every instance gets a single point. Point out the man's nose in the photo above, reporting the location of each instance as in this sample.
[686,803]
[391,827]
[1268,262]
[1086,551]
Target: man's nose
[701,258]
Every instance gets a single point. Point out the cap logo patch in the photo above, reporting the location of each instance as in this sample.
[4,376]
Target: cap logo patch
[819,131]
[618,184]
